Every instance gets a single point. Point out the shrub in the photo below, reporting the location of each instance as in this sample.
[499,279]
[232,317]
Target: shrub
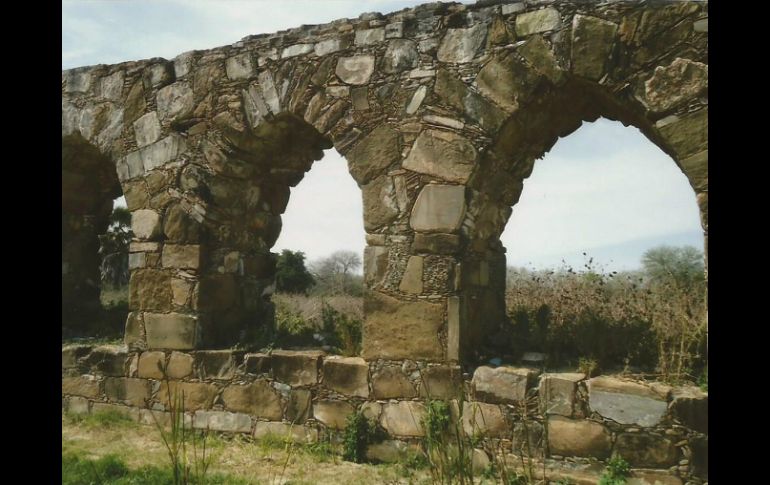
[616,473]
[359,432]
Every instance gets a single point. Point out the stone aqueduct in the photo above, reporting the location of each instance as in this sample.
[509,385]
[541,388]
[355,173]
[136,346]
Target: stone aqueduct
[440,110]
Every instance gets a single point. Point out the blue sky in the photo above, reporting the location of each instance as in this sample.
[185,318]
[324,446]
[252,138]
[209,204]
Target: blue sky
[605,189]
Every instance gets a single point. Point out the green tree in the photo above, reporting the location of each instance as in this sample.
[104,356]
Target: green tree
[682,266]
[113,248]
[291,275]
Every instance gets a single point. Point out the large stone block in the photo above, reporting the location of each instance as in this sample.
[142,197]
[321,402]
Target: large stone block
[171,331]
[506,80]
[411,282]
[151,365]
[216,364]
[184,256]
[222,421]
[400,55]
[403,418]
[197,395]
[396,329]
[180,365]
[149,289]
[258,399]
[690,406]
[436,243]
[687,135]
[175,101]
[481,419]
[537,21]
[696,168]
[298,409]
[375,264]
[296,368]
[355,69]
[462,45]
[443,154]
[147,129]
[109,360]
[131,391]
[76,405]
[439,208]
[297,434]
[391,382]
[380,206]
[347,375]
[71,355]
[568,437]
[239,67]
[557,393]
[502,385]
[145,224]
[441,382]
[539,54]
[333,414]
[646,451]
[626,402]
[85,386]
[672,85]
[373,154]
[592,43]
[456,94]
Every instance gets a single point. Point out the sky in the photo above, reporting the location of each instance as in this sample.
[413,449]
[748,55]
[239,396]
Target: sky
[604,190]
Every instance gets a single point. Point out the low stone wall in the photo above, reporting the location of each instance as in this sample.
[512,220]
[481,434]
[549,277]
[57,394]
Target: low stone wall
[571,422]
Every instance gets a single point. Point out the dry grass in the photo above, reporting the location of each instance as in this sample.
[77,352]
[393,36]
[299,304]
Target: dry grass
[255,462]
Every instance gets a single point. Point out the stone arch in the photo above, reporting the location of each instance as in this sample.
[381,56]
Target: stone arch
[440,111]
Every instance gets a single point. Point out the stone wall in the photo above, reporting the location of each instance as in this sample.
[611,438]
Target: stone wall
[574,423]
[440,110]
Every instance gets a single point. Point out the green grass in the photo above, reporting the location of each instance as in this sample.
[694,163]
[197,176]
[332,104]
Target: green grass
[103,419]
[77,469]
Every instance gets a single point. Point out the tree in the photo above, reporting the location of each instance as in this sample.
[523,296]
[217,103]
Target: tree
[113,248]
[681,266]
[291,275]
[336,272]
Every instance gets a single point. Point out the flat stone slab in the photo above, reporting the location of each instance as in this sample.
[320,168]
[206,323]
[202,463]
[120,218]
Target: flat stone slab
[439,208]
[222,421]
[502,385]
[626,402]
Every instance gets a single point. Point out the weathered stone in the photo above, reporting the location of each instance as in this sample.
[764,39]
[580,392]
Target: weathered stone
[697,170]
[557,393]
[391,451]
[699,446]
[149,289]
[179,226]
[297,434]
[239,67]
[480,419]
[171,331]
[592,43]
[77,80]
[442,154]
[411,282]
[396,329]
[359,98]
[329,46]
[528,438]
[462,45]
[439,208]
[375,264]
[109,360]
[701,25]
[380,207]
[215,364]
[180,290]
[441,382]
[298,409]
[444,121]
[76,405]
[568,437]
[417,99]
[537,21]
[180,365]
[147,129]
[347,375]
[184,256]
[506,80]
[370,36]
[436,243]
[690,406]
[145,224]
[151,365]
[161,152]
[539,54]
[296,368]
[134,392]
[134,335]
[355,69]
[647,451]
[71,355]
[175,101]
[297,50]
[333,414]
[373,154]
[85,386]
[258,399]
[222,421]
[672,85]
[455,93]
[403,418]
[454,310]
[503,385]
[626,402]
[197,395]
[112,85]
[257,363]
[391,382]
[400,55]
[511,8]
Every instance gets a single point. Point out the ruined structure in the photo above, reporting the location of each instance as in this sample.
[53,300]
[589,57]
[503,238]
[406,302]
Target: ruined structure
[440,110]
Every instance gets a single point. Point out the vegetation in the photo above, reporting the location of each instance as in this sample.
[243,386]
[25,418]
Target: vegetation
[291,275]
[652,320]
[113,249]
[617,472]
[359,433]
[335,275]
